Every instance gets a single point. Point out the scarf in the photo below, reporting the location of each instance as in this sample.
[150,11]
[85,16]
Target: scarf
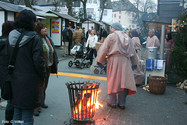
[46,56]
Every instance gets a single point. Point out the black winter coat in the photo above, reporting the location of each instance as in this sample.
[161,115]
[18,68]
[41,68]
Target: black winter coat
[3,60]
[67,35]
[29,67]
[54,67]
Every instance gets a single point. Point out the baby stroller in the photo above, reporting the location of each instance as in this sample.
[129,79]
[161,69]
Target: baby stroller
[80,56]
[99,68]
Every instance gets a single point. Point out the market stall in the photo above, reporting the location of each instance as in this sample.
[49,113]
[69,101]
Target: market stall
[57,24]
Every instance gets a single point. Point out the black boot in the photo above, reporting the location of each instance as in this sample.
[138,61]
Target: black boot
[9,116]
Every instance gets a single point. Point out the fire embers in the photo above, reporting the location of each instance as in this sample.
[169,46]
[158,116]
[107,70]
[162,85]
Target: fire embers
[83,100]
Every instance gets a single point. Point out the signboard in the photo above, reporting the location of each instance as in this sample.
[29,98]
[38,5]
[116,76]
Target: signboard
[55,27]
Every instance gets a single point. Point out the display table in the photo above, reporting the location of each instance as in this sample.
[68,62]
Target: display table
[160,72]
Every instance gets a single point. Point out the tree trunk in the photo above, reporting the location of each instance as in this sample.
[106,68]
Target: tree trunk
[33,2]
[84,8]
[138,16]
[69,6]
[101,17]
[27,3]
[102,9]
[11,1]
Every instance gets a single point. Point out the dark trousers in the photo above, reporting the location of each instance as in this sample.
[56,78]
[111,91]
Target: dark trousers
[9,112]
[25,116]
[42,86]
[46,80]
[92,52]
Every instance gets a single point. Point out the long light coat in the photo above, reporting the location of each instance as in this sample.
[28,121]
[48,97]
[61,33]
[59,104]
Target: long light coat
[152,42]
[137,46]
[138,74]
[118,47]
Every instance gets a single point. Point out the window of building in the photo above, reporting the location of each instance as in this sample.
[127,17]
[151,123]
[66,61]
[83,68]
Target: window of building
[90,11]
[119,12]
[95,1]
[119,17]
[89,1]
[119,21]
[105,13]
[114,15]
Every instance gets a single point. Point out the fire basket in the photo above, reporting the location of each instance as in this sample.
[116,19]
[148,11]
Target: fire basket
[83,100]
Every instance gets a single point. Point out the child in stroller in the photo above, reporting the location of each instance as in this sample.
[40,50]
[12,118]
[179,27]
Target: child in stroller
[80,56]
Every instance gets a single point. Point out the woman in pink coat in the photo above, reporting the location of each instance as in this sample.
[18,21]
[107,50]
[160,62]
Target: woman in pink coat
[118,47]
[168,49]
[138,74]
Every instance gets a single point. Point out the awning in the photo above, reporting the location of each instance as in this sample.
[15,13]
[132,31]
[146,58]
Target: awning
[65,16]
[106,23]
[16,8]
[47,14]
[39,17]
[10,7]
[94,21]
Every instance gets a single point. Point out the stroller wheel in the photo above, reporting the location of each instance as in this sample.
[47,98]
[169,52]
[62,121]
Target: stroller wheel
[77,63]
[96,71]
[70,63]
[87,65]
[102,72]
[81,65]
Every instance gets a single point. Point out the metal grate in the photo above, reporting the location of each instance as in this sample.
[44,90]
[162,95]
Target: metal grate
[83,99]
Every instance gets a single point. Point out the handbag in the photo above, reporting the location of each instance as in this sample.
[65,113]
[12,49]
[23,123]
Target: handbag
[6,88]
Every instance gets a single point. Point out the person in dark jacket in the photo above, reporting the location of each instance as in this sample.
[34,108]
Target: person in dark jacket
[67,39]
[29,67]
[103,34]
[4,60]
[51,61]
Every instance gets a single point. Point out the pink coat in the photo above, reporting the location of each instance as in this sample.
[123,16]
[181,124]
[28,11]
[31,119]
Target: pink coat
[153,42]
[118,47]
[137,45]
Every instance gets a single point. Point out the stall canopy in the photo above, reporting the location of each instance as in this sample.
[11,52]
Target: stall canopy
[10,7]
[65,16]
[51,15]
[96,22]
[106,23]
[15,8]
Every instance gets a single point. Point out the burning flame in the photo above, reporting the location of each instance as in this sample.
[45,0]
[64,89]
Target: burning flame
[86,103]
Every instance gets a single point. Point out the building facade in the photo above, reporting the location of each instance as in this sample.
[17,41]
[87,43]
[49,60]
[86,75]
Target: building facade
[169,11]
[93,8]
[124,13]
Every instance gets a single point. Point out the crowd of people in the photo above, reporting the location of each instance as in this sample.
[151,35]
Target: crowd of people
[37,58]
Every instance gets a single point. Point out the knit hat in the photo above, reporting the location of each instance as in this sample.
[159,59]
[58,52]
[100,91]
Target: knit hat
[117,26]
